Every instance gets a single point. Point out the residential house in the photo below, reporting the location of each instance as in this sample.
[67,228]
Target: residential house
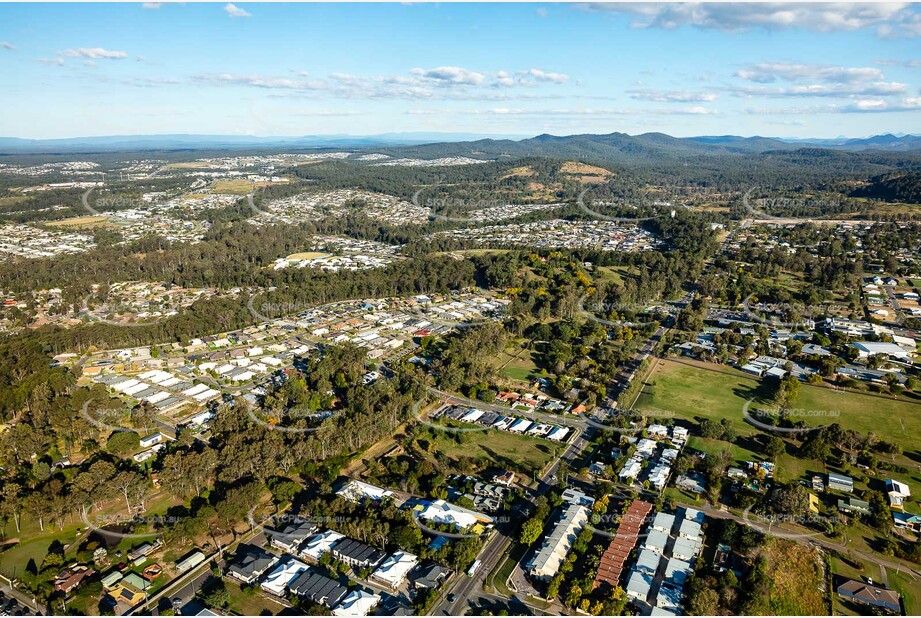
[357,554]
[393,571]
[249,563]
[428,577]
[839,482]
[357,603]
[318,589]
[290,536]
[873,596]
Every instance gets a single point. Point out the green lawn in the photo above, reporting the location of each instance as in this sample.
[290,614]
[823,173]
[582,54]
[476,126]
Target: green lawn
[709,446]
[504,449]
[909,588]
[244,604]
[695,392]
[900,581]
[516,373]
[515,363]
[690,392]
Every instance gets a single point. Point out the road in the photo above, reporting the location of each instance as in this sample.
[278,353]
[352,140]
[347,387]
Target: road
[24,599]
[469,590]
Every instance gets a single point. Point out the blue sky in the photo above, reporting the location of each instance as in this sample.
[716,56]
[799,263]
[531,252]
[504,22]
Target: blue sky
[797,70]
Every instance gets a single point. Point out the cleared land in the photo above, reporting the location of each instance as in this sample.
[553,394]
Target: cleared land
[701,390]
[89,221]
[306,255]
[696,391]
[504,449]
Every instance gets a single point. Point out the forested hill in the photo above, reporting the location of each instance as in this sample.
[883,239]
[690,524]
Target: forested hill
[896,187]
[623,149]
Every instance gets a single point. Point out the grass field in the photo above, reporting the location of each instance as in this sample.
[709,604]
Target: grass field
[698,391]
[516,363]
[796,581]
[306,255]
[909,588]
[504,449]
[701,390]
[188,165]
[243,604]
[237,187]
[89,221]
[614,274]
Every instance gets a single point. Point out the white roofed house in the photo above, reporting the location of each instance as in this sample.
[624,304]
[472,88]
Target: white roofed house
[395,568]
[547,561]
[320,544]
[357,491]
[898,492]
[444,512]
[152,440]
[277,581]
[357,603]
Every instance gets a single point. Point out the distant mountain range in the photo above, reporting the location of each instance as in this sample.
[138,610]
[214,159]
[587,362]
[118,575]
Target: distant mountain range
[186,141]
[432,145]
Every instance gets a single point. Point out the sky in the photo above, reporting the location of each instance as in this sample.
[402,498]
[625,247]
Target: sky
[774,69]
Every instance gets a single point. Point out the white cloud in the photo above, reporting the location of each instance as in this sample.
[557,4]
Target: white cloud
[890,19]
[439,83]
[673,96]
[7,45]
[58,61]
[94,53]
[823,90]
[542,12]
[574,112]
[234,11]
[152,5]
[768,72]
[450,75]
[910,104]
[528,78]
[544,76]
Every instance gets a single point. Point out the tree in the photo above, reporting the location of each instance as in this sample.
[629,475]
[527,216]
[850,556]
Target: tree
[553,587]
[531,531]
[705,602]
[775,447]
[123,442]
[132,485]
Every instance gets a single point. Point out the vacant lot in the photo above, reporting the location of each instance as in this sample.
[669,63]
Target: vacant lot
[516,363]
[503,449]
[702,390]
[697,391]
[89,221]
[796,579]
[306,255]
